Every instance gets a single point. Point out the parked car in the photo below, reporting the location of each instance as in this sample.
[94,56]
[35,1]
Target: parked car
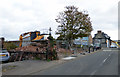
[97,46]
[113,46]
[4,55]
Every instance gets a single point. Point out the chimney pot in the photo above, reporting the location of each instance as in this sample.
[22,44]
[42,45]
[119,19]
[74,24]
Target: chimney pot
[99,31]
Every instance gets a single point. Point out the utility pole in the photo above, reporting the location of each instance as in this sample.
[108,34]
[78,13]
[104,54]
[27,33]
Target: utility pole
[50,31]
[89,43]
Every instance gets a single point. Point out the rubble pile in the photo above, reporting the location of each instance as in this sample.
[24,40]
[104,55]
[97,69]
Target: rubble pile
[62,50]
[33,47]
[38,45]
[30,49]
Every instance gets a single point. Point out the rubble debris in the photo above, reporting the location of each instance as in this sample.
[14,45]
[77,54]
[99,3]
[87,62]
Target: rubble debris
[62,50]
[31,49]
[38,44]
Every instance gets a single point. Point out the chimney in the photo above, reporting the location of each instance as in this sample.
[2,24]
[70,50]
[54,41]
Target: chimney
[99,31]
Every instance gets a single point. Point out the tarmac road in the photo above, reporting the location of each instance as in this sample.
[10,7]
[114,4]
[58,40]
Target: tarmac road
[104,62]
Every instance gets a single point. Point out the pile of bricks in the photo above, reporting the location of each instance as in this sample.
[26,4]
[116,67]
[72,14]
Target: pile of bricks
[31,49]
[34,47]
[38,45]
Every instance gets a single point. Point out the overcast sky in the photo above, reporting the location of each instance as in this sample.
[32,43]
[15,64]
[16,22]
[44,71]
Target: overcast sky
[19,16]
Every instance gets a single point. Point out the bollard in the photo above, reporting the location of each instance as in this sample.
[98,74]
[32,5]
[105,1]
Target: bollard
[83,53]
[89,50]
[93,49]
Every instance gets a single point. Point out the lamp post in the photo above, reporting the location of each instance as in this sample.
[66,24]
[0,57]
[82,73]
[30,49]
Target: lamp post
[50,31]
[2,42]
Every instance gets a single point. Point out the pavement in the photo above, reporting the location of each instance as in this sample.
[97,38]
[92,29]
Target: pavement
[101,62]
[26,67]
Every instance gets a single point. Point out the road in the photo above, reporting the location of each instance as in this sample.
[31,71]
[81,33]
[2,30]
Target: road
[104,62]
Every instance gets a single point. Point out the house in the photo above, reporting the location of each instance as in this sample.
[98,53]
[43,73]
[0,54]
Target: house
[102,38]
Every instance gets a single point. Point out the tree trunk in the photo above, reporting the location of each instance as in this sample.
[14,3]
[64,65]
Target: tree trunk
[70,44]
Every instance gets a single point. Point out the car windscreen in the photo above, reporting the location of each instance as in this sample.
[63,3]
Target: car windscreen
[3,51]
[97,44]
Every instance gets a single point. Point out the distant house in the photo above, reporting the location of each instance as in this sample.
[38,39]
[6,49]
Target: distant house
[102,38]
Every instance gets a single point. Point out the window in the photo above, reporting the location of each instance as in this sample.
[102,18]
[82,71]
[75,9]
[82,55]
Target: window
[103,40]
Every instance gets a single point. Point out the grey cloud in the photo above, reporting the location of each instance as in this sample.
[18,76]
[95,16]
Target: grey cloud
[40,14]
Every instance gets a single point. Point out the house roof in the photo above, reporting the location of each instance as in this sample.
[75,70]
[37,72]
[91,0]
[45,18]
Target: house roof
[101,35]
